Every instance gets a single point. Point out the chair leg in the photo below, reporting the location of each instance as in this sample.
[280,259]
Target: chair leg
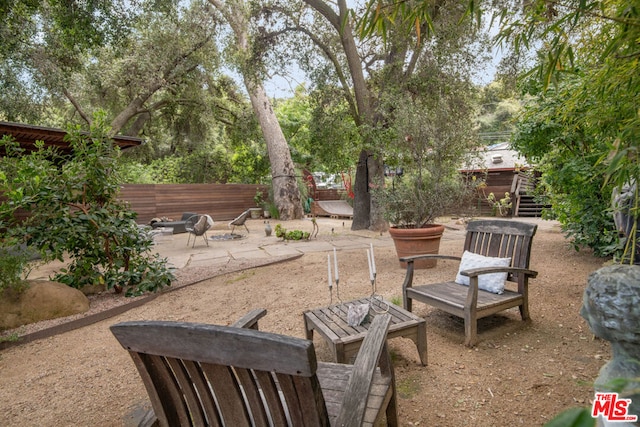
[245,226]
[406,302]
[392,411]
[470,332]
[189,238]
[206,240]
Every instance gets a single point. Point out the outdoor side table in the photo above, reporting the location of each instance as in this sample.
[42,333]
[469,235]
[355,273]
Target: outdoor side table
[344,340]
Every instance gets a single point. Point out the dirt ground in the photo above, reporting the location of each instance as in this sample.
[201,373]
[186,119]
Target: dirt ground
[520,373]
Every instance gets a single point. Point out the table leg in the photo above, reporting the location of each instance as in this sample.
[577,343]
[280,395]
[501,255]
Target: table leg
[339,353]
[308,329]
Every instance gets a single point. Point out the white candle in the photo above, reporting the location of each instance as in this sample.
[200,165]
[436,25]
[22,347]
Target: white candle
[335,261]
[329,269]
[373,260]
[369,260]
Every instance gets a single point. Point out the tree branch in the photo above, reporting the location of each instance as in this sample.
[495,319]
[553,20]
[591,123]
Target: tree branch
[77,106]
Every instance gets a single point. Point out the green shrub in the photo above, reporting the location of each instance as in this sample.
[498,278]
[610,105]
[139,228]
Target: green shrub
[75,214]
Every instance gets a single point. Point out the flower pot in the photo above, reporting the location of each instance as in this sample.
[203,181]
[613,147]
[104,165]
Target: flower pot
[255,213]
[417,241]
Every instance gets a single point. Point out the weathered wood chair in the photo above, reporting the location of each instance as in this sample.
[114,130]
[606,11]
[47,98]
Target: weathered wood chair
[497,239]
[209,375]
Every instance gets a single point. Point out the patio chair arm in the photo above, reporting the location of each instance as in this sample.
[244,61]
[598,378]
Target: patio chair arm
[408,278]
[250,320]
[473,272]
[364,367]
[411,259]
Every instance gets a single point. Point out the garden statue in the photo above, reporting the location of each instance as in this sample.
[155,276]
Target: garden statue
[624,202]
[611,306]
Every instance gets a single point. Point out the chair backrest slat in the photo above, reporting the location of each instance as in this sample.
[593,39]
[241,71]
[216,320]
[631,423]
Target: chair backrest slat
[301,400]
[227,394]
[272,398]
[163,389]
[189,394]
[254,402]
[501,238]
[205,396]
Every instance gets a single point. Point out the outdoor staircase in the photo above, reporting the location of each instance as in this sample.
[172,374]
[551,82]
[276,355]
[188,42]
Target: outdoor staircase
[525,202]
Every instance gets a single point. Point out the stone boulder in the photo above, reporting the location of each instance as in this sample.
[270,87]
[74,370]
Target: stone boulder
[42,300]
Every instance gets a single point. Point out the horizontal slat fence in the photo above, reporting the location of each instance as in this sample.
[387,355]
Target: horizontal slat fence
[221,201]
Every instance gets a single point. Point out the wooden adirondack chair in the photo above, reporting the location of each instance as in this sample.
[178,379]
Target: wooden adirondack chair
[209,375]
[489,238]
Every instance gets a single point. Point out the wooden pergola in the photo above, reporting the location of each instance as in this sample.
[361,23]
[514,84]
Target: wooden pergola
[27,135]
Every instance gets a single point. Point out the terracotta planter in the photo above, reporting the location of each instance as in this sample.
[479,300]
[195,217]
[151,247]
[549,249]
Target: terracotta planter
[416,241]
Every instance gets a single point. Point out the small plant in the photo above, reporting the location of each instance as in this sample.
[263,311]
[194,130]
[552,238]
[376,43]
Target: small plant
[259,198]
[396,300]
[12,337]
[503,206]
[284,234]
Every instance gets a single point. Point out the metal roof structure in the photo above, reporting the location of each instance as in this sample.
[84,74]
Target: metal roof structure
[27,135]
[497,157]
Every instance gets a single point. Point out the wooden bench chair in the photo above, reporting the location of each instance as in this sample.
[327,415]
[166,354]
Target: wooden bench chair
[209,375]
[488,238]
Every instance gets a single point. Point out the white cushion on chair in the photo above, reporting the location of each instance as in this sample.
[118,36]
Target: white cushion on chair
[493,282]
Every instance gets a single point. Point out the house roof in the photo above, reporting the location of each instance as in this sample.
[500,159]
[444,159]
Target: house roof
[497,157]
[27,135]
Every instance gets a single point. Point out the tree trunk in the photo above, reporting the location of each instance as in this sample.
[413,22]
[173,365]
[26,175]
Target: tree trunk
[366,212]
[362,196]
[286,194]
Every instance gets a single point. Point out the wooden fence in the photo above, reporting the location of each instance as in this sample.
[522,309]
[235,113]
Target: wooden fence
[221,201]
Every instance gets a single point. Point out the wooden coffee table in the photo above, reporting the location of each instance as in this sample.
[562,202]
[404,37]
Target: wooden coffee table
[345,340]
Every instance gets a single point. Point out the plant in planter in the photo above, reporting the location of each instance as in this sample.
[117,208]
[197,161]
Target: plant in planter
[259,201]
[501,207]
[433,135]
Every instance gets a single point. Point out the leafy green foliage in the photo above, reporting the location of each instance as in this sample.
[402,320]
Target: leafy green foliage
[284,234]
[552,133]
[431,136]
[334,138]
[588,66]
[14,262]
[573,417]
[75,213]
